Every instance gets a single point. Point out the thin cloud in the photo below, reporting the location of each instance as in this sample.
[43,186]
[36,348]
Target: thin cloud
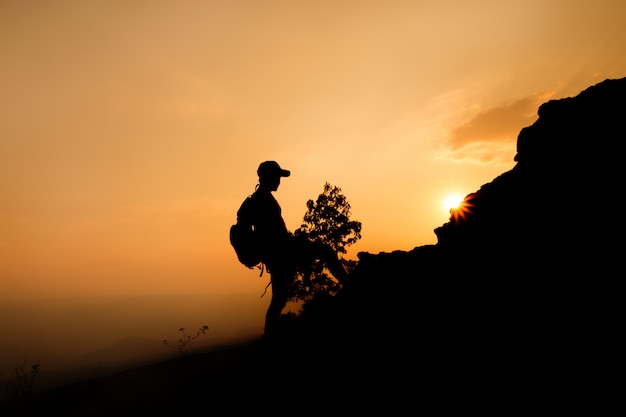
[490,135]
[482,153]
[496,124]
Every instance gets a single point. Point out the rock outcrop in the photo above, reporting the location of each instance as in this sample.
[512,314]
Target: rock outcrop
[526,275]
[557,213]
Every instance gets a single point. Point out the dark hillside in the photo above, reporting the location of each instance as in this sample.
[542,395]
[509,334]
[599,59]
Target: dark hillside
[515,307]
[525,277]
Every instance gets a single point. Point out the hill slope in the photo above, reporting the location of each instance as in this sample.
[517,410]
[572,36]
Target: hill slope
[516,304]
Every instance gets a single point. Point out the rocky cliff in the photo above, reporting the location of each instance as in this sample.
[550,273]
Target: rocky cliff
[525,276]
[558,211]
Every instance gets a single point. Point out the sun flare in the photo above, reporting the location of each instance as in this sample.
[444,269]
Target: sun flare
[452,201]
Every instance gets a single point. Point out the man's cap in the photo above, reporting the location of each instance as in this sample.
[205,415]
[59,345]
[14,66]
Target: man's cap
[271,169]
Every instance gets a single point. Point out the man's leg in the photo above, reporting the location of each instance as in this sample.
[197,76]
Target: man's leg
[277,304]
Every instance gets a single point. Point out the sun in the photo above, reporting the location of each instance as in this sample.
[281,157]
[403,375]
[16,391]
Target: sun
[452,201]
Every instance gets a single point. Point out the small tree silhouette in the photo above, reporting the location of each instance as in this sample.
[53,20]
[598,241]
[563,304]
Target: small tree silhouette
[327,220]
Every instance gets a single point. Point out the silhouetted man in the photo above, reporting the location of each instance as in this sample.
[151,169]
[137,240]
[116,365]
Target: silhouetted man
[281,252]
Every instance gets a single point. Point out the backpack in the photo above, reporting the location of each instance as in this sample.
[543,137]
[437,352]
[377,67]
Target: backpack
[243,238]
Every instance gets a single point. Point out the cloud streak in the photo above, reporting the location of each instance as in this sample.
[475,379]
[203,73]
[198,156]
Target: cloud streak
[488,132]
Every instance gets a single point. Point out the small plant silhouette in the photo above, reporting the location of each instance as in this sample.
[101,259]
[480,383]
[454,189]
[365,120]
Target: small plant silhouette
[186,339]
[21,385]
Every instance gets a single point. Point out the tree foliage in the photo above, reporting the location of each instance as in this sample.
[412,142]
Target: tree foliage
[327,220]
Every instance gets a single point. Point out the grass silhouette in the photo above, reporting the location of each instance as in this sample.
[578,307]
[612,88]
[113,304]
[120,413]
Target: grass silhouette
[186,339]
[20,386]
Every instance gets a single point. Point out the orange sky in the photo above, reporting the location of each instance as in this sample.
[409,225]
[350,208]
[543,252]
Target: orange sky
[130,131]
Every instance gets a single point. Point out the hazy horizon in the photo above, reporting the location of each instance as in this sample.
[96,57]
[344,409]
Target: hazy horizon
[79,337]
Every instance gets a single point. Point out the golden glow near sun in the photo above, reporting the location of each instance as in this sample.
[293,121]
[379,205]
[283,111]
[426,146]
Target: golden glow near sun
[452,201]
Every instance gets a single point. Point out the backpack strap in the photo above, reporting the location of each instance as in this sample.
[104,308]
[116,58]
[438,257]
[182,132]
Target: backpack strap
[245,214]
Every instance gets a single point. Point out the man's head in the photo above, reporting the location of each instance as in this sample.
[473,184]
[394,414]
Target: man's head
[271,170]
